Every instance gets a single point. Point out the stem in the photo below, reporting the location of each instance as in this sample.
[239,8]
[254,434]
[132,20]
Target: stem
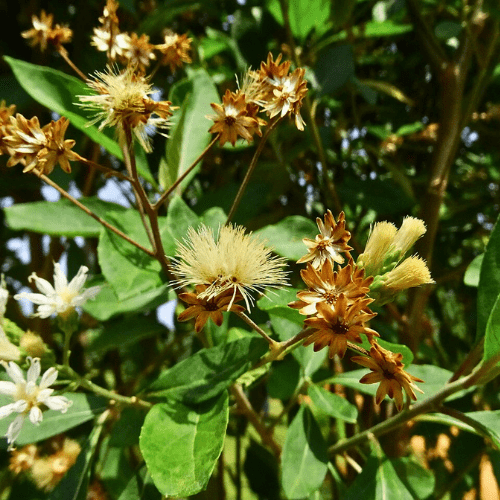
[100,391]
[431,404]
[64,55]
[481,429]
[107,171]
[272,343]
[246,408]
[282,348]
[66,351]
[101,221]
[251,168]
[165,195]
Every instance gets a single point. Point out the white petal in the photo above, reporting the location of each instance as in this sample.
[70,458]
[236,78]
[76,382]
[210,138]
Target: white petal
[60,280]
[35,415]
[31,388]
[14,372]
[34,370]
[43,285]
[14,430]
[47,310]
[59,403]
[48,378]
[78,281]
[43,395]
[7,410]
[87,294]
[36,298]
[19,406]
[8,388]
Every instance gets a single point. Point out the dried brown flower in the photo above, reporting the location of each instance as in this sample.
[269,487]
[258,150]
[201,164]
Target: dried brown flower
[5,124]
[387,368]
[137,52]
[204,308]
[43,33]
[108,38]
[39,148]
[339,324]
[325,286]
[22,460]
[235,118]
[175,50]
[330,243]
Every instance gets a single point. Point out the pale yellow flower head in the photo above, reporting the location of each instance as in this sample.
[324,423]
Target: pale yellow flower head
[413,271]
[377,246]
[234,261]
[410,231]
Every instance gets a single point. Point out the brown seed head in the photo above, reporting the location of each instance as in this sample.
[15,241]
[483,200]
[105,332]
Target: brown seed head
[175,50]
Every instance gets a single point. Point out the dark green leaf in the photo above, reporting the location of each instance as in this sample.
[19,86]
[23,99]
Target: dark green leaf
[304,460]
[60,218]
[418,480]
[283,378]
[489,281]
[285,237]
[401,348]
[333,404]
[180,218]
[447,29]
[492,337]
[59,92]
[334,68]
[181,444]
[208,372]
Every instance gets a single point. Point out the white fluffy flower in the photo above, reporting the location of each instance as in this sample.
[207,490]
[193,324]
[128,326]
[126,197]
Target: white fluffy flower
[8,351]
[61,298]
[28,396]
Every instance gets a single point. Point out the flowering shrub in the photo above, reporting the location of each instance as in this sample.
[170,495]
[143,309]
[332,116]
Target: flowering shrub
[267,309]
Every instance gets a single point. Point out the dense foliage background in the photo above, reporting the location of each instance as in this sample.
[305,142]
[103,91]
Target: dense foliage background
[402,118]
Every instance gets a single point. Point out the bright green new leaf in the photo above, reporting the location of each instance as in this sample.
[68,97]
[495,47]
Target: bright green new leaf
[180,218]
[181,444]
[304,460]
[84,408]
[189,134]
[333,404]
[285,237]
[59,92]
[489,280]
[208,372]
[378,481]
[129,270]
[471,276]
[277,299]
[60,218]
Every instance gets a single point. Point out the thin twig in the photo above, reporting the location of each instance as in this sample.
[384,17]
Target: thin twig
[105,170]
[272,343]
[64,55]
[101,221]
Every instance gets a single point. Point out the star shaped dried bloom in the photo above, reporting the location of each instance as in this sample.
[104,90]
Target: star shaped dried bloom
[22,460]
[233,261]
[235,118]
[107,38]
[123,101]
[339,324]
[63,297]
[325,285]
[5,124]
[387,368]
[329,244]
[39,148]
[43,33]
[138,53]
[28,396]
[204,308]
[175,50]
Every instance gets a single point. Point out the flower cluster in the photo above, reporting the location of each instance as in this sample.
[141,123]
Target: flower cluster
[134,50]
[123,100]
[270,89]
[44,34]
[37,148]
[29,398]
[337,299]
[225,269]
[45,465]
[8,351]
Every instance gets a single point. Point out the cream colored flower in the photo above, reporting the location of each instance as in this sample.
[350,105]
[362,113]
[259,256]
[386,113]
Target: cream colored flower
[63,297]
[139,52]
[28,396]
[123,101]
[175,50]
[412,272]
[43,33]
[381,237]
[233,261]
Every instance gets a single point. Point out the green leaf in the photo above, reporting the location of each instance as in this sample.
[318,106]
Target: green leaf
[74,484]
[58,92]
[471,276]
[333,404]
[418,480]
[401,348]
[59,218]
[278,299]
[181,444]
[208,372]
[129,270]
[334,68]
[180,218]
[304,460]
[378,481]
[84,408]
[489,280]
[214,218]
[189,134]
[283,378]
[285,237]
[114,469]
[492,336]
[447,29]
[305,15]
